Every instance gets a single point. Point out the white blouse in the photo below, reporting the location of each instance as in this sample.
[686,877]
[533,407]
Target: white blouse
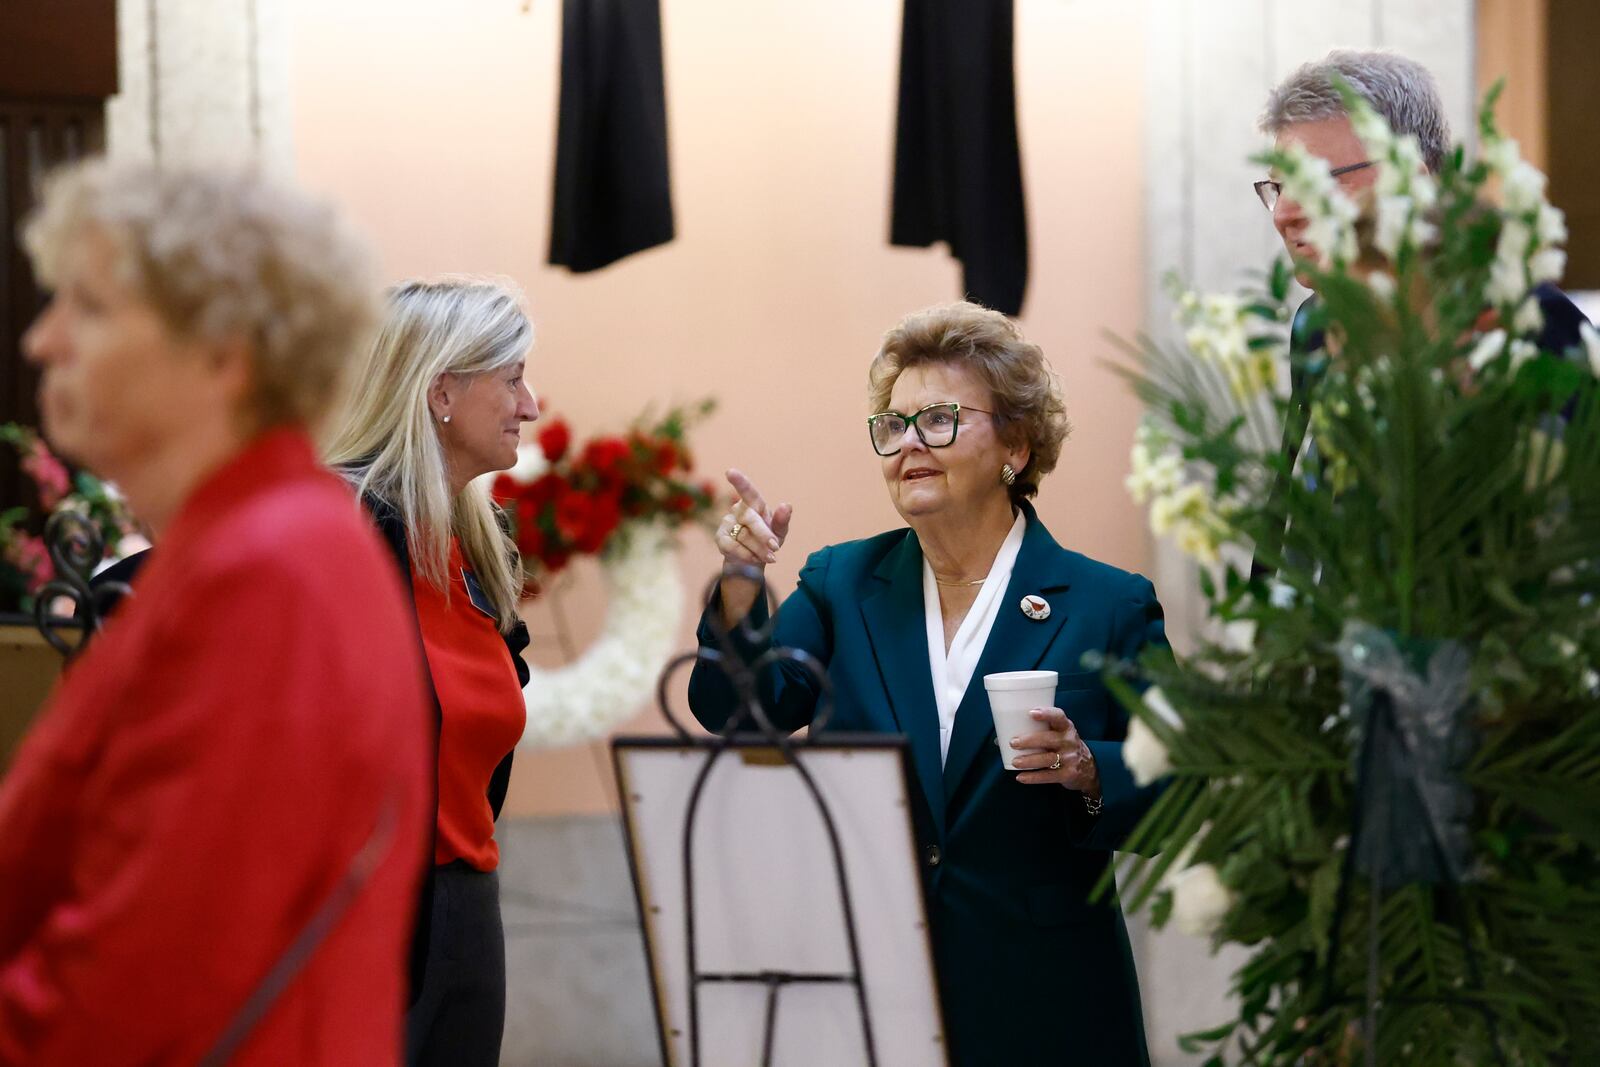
[952,671]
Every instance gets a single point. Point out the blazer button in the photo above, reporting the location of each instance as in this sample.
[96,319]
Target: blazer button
[934,856]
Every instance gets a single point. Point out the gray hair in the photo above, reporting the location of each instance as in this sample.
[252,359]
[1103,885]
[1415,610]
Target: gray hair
[226,253]
[1399,89]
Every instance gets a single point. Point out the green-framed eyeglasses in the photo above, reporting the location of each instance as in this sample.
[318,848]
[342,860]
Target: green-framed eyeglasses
[935,424]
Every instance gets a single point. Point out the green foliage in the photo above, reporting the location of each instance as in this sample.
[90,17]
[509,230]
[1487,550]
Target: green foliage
[1450,491]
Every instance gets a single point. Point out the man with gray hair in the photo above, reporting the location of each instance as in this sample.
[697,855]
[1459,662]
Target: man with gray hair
[1308,109]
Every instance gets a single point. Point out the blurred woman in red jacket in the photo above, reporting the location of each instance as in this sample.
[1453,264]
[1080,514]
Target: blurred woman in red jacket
[443,402]
[210,843]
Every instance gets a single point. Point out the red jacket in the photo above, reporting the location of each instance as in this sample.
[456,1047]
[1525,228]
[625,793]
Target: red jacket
[201,781]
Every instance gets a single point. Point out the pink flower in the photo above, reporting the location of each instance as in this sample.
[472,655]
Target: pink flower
[47,473]
[29,555]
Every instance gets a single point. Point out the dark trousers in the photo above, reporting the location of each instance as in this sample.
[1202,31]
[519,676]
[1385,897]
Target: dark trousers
[460,1012]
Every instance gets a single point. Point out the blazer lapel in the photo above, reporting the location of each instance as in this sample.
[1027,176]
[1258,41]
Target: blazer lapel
[1016,643]
[895,616]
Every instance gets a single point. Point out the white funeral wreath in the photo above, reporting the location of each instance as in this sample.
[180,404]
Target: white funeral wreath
[616,675]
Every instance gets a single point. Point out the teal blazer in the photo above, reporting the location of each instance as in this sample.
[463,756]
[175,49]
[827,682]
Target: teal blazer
[1030,972]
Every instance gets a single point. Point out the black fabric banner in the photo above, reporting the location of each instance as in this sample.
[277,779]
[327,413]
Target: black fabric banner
[613,195]
[957,166]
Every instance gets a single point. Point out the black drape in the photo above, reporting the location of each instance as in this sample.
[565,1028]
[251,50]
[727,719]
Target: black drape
[612,193]
[957,166]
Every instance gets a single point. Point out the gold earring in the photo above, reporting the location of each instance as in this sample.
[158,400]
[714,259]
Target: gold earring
[1007,475]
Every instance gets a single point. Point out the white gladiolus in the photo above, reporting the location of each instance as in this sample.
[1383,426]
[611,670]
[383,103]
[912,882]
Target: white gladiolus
[1424,188]
[1400,225]
[1502,154]
[1546,265]
[1144,754]
[1508,282]
[1529,318]
[1157,701]
[1546,454]
[1330,214]
[1591,347]
[1200,901]
[1488,347]
[1393,214]
[1154,475]
[1216,330]
[1198,542]
[1371,128]
[1521,352]
[1382,285]
[1185,502]
[1524,188]
[1515,240]
[1551,226]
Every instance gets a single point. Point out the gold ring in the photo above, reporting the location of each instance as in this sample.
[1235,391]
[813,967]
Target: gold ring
[733,531]
[1056,766]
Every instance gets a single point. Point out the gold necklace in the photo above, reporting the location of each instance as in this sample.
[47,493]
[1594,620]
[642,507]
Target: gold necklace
[936,581]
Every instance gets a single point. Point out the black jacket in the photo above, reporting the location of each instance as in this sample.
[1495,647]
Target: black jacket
[957,162]
[613,192]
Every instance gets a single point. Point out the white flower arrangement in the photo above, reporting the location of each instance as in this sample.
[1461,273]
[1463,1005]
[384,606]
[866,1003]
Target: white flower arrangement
[1330,215]
[1143,752]
[1591,347]
[616,675]
[1529,251]
[1200,900]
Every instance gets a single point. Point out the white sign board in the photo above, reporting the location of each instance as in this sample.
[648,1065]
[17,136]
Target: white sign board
[767,899]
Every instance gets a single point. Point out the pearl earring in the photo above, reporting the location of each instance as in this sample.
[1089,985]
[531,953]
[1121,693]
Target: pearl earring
[1007,475]
[445,419]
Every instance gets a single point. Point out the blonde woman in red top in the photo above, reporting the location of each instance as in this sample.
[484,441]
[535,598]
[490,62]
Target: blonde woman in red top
[442,401]
[209,844]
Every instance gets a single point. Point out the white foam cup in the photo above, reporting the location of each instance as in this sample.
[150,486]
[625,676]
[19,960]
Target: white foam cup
[1012,694]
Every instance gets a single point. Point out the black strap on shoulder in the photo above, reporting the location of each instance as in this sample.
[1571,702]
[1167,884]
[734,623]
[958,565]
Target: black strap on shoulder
[289,964]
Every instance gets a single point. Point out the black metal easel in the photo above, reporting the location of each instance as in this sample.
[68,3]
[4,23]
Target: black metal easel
[75,549]
[745,678]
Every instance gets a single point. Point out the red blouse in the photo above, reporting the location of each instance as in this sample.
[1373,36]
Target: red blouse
[480,707]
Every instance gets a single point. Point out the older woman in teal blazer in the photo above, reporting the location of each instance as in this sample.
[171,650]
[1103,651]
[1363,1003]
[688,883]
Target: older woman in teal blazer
[968,419]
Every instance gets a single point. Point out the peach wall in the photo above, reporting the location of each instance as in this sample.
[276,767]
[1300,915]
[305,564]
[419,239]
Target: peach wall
[434,124]
[1511,46]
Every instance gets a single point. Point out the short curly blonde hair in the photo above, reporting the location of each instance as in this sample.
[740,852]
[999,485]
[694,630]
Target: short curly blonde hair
[1028,406]
[226,254]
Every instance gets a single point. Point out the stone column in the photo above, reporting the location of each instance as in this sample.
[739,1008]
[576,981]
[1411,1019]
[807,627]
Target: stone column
[202,82]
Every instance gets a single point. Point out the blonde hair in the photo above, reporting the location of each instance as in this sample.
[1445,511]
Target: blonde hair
[224,255]
[1028,406]
[387,442]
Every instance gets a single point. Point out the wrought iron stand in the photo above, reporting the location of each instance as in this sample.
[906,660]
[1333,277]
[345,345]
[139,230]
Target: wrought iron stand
[753,725]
